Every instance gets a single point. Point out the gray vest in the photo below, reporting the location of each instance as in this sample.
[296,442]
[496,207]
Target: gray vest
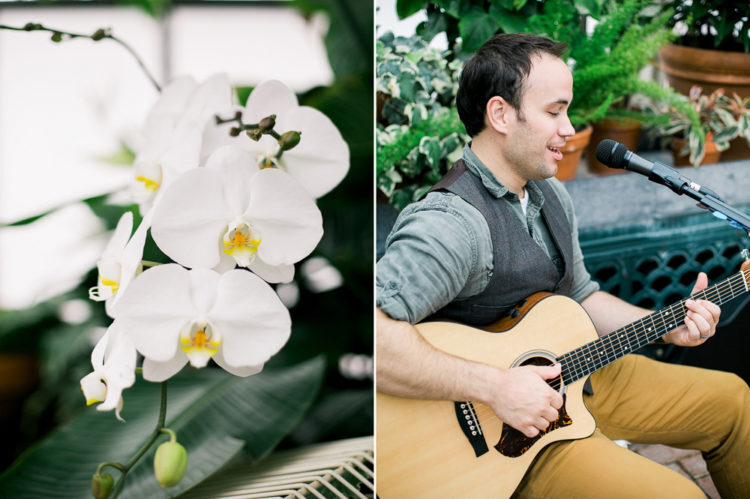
[521,267]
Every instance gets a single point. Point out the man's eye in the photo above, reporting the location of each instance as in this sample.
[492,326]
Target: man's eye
[554,114]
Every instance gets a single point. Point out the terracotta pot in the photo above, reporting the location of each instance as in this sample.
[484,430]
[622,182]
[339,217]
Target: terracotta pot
[712,153]
[626,131]
[711,69]
[574,147]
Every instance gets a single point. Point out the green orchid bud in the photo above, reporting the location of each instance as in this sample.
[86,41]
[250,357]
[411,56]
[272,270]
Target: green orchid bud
[255,134]
[56,37]
[234,131]
[31,26]
[98,35]
[101,485]
[238,115]
[267,123]
[288,140]
[170,463]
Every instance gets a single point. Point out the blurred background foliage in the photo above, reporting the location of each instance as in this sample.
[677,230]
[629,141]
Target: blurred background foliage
[331,399]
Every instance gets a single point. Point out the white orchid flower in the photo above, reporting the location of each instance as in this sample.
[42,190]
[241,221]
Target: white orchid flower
[113,360]
[119,263]
[230,213]
[175,316]
[173,134]
[320,160]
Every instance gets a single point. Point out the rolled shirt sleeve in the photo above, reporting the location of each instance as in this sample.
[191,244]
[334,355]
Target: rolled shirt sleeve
[436,252]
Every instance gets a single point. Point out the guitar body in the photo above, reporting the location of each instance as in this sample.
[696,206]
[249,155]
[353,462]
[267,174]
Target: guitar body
[426,448]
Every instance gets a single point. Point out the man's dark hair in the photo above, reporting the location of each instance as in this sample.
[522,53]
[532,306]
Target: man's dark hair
[499,67]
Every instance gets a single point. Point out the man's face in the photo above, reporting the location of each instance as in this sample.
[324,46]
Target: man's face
[538,131]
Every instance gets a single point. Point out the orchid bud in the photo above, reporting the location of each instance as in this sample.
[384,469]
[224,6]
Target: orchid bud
[31,26]
[98,35]
[234,131]
[170,463]
[288,140]
[267,123]
[255,134]
[56,37]
[101,485]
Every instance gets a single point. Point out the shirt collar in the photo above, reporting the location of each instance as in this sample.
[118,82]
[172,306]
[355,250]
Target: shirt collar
[493,185]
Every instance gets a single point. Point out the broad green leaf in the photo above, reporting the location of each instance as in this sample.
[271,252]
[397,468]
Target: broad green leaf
[476,27]
[405,8]
[214,414]
[433,26]
[430,148]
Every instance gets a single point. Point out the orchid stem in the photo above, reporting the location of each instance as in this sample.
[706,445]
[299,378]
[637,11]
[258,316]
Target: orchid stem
[99,35]
[149,442]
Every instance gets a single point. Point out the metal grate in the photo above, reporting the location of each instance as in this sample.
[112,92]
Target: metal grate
[339,469]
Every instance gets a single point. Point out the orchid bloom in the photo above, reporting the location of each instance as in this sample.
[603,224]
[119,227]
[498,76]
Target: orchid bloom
[173,133]
[175,316]
[320,160]
[119,263]
[113,360]
[229,213]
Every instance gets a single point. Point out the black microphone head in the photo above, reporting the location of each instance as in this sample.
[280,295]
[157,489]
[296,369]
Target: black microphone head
[611,153]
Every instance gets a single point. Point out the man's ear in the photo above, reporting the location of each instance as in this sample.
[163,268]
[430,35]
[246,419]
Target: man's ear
[497,114]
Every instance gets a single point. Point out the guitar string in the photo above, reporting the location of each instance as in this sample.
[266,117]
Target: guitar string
[721,296]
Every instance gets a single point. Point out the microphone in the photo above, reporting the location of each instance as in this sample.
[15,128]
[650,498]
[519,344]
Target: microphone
[615,155]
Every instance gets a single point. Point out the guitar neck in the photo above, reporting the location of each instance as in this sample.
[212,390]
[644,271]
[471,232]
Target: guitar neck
[592,356]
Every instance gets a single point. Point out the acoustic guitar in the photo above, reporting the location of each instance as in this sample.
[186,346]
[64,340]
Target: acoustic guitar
[432,448]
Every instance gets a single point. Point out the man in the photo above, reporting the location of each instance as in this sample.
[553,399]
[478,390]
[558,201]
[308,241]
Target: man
[463,252]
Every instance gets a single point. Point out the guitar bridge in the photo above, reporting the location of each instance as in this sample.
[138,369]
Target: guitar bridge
[469,423]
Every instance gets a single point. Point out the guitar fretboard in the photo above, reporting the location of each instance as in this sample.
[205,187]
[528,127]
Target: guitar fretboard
[601,352]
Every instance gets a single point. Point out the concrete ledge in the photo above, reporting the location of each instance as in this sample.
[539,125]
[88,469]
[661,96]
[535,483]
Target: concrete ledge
[631,199]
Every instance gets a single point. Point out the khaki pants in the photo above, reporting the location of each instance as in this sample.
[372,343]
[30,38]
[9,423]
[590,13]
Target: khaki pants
[645,401]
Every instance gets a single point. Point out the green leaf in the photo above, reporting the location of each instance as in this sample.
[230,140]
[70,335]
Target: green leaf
[405,8]
[433,26]
[214,414]
[476,27]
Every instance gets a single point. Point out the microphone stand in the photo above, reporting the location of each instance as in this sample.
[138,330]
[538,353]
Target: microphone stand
[707,199]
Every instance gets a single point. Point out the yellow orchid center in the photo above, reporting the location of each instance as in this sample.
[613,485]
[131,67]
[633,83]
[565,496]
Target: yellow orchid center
[110,273]
[268,162]
[149,184]
[200,343]
[241,243]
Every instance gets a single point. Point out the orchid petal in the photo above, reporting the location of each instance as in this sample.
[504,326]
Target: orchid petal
[93,388]
[183,152]
[161,371]
[237,371]
[168,109]
[251,319]
[270,97]
[212,95]
[321,159]
[286,216]
[120,235]
[155,308]
[203,286]
[272,273]
[216,136]
[236,168]
[191,218]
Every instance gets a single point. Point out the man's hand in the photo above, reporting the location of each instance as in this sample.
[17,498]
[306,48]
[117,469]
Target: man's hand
[525,401]
[700,321]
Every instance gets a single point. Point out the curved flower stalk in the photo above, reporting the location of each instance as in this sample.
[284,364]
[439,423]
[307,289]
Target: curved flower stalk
[113,360]
[320,160]
[230,213]
[119,263]
[173,134]
[175,316]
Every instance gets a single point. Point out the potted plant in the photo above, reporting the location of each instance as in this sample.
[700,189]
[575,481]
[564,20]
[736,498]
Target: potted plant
[702,129]
[419,133]
[712,50]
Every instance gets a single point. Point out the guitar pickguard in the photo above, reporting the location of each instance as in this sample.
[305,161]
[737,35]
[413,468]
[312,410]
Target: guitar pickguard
[513,443]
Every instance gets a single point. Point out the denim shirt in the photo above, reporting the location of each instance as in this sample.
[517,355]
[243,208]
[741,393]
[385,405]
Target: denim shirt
[440,250]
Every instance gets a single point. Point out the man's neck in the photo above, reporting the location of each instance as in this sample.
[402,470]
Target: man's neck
[488,153]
